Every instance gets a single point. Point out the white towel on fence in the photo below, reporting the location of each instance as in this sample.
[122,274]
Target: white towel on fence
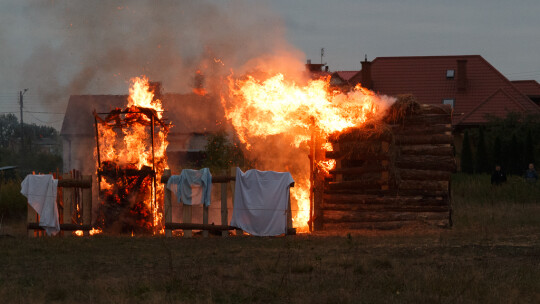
[261,201]
[192,187]
[41,193]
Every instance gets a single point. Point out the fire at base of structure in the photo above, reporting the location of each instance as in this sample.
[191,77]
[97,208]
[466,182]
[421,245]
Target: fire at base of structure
[127,169]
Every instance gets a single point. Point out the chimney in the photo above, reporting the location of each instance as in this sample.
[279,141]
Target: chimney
[156,88]
[367,82]
[462,74]
[314,67]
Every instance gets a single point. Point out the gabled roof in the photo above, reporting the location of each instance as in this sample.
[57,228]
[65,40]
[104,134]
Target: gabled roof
[346,75]
[189,113]
[528,87]
[425,78]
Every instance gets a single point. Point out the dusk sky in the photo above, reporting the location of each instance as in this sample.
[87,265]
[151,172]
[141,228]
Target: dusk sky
[59,48]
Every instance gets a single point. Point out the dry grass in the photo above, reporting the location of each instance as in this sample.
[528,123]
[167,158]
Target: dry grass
[491,255]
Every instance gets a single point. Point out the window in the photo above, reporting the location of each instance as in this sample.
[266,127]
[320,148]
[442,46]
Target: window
[449,101]
[450,74]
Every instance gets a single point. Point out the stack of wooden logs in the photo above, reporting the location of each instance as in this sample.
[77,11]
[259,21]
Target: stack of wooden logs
[396,175]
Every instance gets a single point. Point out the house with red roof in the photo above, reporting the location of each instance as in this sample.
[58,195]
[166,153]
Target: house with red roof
[471,85]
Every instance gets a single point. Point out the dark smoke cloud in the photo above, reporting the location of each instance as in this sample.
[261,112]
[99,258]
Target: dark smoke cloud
[95,47]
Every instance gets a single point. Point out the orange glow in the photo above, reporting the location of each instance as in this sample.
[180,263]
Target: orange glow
[259,108]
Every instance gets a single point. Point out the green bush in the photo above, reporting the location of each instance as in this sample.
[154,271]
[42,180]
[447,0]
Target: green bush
[12,202]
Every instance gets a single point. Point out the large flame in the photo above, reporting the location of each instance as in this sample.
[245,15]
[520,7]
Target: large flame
[259,108]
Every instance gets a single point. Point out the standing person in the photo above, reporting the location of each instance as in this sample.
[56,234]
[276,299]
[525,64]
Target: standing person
[530,175]
[498,177]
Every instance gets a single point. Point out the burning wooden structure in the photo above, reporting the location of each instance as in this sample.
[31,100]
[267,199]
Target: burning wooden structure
[388,174]
[129,159]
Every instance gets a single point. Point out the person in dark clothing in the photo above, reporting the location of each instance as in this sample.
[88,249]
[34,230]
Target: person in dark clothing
[498,177]
[530,175]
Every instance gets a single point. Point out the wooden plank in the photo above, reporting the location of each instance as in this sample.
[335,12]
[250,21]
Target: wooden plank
[205,220]
[422,130]
[64,227]
[365,199]
[67,202]
[87,203]
[413,174]
[32,216]
[382,216]
[432,139]
[423,185]
[238,232]
[356,184]
[224,209]
[193,226]
[365,169]
[385,207]
[389,225]
[68,182]
[441,150]
[186,219]
[167,204]
[218,179]
[426,162]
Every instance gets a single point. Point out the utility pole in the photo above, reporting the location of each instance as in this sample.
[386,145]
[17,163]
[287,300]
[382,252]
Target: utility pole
[21,94]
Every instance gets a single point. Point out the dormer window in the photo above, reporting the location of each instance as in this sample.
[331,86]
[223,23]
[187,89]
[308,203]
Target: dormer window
[448,101]
[450,74]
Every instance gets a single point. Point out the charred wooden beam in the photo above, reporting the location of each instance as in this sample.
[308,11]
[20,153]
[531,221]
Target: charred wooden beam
[422,130]
[337,216]
[385,207]
[354,199]
[388,225]
[219,179]
[64,227]
[426,162]
[432,139]
[356,184]
[75,183]
[412,174]
[192,226]
[442,150]
[358,155]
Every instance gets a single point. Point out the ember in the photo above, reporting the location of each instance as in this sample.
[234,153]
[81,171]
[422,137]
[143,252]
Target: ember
[129,158]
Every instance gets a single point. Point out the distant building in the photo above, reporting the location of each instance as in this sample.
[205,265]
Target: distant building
[192,116]
[470,84]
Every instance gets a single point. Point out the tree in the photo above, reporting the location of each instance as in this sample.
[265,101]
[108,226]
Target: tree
[467,165]
[221,153]
[482,157]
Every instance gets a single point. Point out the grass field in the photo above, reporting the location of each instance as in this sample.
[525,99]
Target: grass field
[492,254]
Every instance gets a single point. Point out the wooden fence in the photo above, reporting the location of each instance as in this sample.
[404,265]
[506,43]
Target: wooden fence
[74,201]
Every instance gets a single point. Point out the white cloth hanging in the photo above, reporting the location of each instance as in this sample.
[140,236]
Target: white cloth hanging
[41,192]
[261,200]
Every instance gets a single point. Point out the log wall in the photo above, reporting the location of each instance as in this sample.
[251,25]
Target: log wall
[395,178]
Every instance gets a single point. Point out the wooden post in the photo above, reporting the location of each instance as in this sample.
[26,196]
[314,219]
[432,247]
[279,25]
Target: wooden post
[167,204]
[87,204]
[289,215]
[224,210]
[31,218]
[205,219]
[67,201]
[233,184]
[186,218]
